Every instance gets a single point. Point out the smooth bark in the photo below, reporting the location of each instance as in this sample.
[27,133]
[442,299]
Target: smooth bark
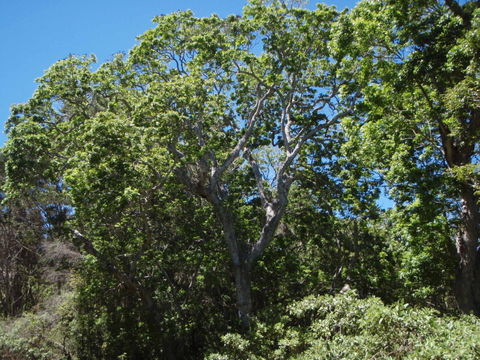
[243,287]
[467,288]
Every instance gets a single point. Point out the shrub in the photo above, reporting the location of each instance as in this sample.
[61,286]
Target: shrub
[346,327]
[42,335]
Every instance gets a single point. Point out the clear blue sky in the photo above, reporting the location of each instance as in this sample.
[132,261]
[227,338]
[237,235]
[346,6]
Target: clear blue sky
[36,33]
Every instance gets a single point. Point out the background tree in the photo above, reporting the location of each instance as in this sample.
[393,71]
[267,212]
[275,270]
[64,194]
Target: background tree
[20,238]
[149,275]
[423,123]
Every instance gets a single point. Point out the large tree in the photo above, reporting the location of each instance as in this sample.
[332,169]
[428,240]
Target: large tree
[224,106]
[422,113]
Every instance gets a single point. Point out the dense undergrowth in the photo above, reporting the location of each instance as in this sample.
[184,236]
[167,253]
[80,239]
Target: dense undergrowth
[341,326]
[346,327]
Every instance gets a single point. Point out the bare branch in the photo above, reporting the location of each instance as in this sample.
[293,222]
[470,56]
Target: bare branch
[324,101]
[275,212]
[176,153]
[286,120]
[88,246]
[273,216]
[252,119]
[258,178]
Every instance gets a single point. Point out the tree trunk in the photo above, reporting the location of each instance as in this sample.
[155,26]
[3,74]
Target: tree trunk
[243,288]
[467,288]
[241,266]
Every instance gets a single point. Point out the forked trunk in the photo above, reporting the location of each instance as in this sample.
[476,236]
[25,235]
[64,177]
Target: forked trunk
[241,265]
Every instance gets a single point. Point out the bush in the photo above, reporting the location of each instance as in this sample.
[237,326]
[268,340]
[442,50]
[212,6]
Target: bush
[346,327]
[43,335]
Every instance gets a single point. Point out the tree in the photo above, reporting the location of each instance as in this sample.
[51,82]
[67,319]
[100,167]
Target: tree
[235,104]
[20,236]
[423,120]
[208,103]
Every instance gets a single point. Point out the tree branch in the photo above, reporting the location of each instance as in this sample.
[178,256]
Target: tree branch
[121,277]
[258,178]
[252,119]
[273,213]
[457,9]
[286,120]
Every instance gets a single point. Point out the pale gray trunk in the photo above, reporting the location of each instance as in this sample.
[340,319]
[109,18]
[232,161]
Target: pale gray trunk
[241,266]
[244,255]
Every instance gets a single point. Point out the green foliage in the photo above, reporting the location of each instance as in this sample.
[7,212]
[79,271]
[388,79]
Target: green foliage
[181,268]
[46,334]
[20,238]
[133,166]
[355,251]
[346,327]
[417,129]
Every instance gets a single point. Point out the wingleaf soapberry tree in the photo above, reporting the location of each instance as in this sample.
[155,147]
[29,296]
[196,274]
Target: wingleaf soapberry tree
[203,100]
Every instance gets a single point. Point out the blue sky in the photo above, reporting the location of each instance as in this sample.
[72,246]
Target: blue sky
[36,33]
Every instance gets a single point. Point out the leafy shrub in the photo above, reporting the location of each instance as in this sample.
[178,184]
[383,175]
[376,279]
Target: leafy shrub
[346,327]
[41,335]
